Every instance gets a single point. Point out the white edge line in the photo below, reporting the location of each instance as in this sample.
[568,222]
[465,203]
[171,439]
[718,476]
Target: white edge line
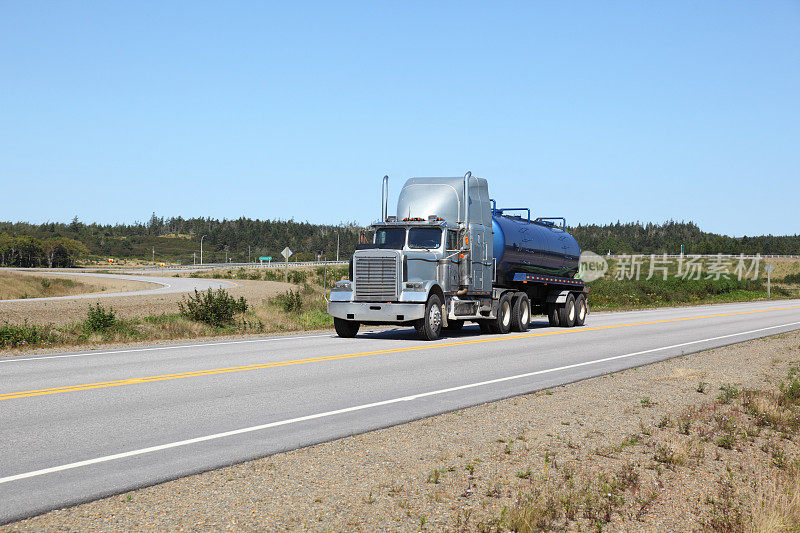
[326,414]
[12,359]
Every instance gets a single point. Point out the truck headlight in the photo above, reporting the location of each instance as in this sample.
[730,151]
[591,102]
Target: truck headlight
[415,286]
[343,286]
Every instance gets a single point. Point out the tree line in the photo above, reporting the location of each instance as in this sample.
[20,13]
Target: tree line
[28,251]
[177,239]
[668,237]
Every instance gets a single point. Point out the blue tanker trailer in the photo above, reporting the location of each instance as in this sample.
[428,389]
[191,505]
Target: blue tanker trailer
[451,256]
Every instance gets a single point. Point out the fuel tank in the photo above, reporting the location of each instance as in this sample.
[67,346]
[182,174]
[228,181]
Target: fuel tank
[521,245]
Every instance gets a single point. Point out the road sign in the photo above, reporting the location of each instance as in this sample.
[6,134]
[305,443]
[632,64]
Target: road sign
[768,268]
[267,258]
[286,253]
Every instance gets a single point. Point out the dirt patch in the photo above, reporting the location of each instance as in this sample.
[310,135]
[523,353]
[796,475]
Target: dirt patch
[16,284]
[61,312]
[686,444]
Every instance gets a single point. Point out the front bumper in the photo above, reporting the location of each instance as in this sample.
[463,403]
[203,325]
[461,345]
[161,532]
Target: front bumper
[377,312]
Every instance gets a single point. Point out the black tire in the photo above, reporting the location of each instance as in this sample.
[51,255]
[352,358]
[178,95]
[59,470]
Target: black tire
[552,314]
[429,327]
[346,328]
[454,325]
[566,312]
[581,310]
[520,313]
[484,325]
[502,323]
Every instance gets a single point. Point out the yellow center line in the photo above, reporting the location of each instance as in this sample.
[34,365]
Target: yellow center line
[261,366]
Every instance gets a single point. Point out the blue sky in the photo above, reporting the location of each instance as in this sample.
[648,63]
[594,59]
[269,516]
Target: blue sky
[594,111]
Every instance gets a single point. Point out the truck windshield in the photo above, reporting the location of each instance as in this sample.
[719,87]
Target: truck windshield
[392,238]
[424,238]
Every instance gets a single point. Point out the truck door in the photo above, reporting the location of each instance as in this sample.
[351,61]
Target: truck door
[477,259]
[451,250]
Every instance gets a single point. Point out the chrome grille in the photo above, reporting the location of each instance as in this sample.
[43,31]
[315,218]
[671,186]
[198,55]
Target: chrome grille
[376,279]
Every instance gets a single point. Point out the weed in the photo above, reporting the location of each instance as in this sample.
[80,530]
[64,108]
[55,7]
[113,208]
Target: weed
[666,455]
[726,511]
[790,390]
[433,477]
[525,475]
[647,402]
[726,441]
[684,424]
[702,387]
[728,392]
[630,440]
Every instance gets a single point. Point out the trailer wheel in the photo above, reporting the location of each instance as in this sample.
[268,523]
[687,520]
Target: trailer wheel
[581,310]
[502,324]
[345,328]
[552,314]
[454,325]
[429,327]
[520,313]
[566,312]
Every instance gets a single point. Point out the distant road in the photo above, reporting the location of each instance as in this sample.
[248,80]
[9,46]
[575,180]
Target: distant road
[168,285]
[78,426]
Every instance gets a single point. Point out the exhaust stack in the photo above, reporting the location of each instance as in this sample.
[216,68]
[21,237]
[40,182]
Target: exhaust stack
[466,259]
[385,199]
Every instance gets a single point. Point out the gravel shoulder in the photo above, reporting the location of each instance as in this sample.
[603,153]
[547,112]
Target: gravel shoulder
[484,467]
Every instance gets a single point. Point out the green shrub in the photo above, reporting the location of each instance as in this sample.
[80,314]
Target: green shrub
[212,308]
[98,319]
[289,301]
[792,278]
[612,293]
[298,276]
[12,336]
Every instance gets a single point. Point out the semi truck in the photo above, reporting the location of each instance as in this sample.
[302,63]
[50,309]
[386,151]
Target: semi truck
[450,256]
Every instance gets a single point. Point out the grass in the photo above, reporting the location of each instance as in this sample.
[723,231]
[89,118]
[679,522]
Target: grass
[14,285]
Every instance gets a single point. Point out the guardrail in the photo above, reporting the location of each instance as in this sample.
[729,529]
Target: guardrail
[216,266]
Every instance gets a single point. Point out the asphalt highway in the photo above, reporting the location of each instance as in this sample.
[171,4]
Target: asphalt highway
[78,426]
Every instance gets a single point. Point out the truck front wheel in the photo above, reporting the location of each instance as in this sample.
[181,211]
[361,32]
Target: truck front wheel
[429,327]
[345,328]
[502,324]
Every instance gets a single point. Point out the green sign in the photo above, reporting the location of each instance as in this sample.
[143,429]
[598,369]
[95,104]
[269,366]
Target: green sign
[269,258]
